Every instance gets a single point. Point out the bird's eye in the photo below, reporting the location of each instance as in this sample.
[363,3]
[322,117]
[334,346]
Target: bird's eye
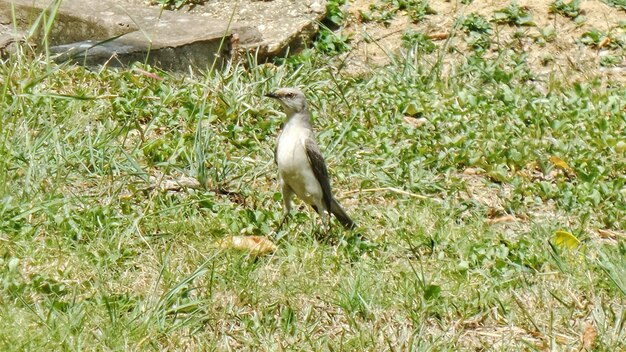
[290,95]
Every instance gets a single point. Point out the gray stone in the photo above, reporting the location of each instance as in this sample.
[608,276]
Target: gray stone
[9,39]
[284,24]
[118,33]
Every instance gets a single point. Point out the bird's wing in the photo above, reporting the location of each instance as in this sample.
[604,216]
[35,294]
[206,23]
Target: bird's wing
[316,160]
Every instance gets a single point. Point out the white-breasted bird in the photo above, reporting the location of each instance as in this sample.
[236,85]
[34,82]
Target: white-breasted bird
[301,166]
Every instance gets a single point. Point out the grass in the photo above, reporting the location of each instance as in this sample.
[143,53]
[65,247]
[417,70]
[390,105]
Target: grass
[385,11]
[95,255]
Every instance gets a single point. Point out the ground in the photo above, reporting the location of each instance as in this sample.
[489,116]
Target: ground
[552,41]
[561,54]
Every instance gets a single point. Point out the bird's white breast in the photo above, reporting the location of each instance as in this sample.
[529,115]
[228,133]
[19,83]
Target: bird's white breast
[293,164]
[290,152]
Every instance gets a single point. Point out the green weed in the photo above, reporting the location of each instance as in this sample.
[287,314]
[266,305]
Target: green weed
[332,42]
[598,39]
[514,15]
[385,10]
[419,41]
[334,13]
[620,4]
[568,9]
[479,31]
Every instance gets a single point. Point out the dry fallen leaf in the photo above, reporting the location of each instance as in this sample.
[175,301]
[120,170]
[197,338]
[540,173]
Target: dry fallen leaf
[257,245]
[470,171]
[604,42]
[415,122]
[501,219]
[614,235]
[438,36]
[589,336]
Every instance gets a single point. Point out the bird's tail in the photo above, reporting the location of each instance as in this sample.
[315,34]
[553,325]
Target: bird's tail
[341,215]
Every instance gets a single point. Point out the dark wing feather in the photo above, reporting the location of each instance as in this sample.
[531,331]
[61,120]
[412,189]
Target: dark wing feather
[319,170]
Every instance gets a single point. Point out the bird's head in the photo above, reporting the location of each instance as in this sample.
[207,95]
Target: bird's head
[292,99]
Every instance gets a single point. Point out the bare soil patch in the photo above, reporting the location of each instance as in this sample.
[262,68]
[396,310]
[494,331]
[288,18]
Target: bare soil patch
[562,54]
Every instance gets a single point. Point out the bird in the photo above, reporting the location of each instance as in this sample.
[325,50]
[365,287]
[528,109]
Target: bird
[301,167]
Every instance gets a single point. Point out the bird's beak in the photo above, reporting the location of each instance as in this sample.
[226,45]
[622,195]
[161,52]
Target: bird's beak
[271,95]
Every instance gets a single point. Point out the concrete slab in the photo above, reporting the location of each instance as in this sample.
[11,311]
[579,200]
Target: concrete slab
[118,32]
[283,23]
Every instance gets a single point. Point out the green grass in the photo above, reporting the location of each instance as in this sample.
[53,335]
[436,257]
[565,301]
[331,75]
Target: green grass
[385,11]
[92,257]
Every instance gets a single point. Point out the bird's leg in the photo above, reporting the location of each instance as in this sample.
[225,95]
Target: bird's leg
[323,231]
[287,195]
[282,222]
[313,230]
[326,222]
